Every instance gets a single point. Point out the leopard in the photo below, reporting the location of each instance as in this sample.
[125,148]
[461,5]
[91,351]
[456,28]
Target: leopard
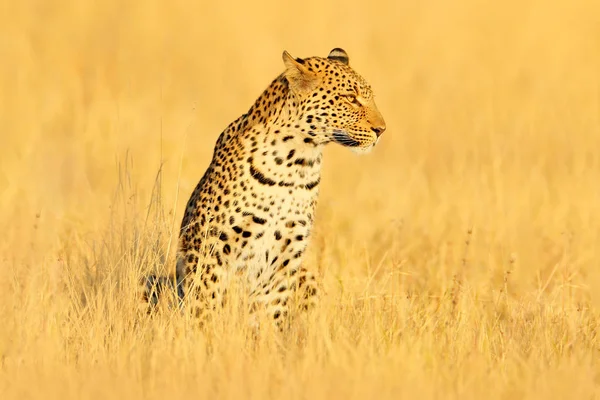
[252,212]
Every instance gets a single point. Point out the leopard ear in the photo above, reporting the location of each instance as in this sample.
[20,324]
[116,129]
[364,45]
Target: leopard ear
[339,55]
[301,80]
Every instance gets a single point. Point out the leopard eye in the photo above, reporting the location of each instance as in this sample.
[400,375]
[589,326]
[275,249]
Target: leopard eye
[352,99]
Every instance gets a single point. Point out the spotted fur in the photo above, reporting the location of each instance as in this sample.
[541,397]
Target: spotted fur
[251,214]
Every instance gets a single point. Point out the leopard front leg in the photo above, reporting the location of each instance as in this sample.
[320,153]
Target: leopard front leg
[290,290]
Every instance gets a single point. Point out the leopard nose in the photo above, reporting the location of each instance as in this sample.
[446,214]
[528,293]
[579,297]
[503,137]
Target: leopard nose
[378,130]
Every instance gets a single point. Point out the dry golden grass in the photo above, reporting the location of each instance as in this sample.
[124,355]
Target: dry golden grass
[461,258]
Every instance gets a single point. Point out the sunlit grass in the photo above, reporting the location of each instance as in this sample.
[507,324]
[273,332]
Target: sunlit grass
[459,260]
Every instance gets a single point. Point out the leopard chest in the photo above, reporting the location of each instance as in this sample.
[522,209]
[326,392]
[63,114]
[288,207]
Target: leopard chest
[273,226]
[270,216]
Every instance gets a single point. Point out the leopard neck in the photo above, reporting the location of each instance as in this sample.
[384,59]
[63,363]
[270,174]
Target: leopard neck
[273,142]
[275,119]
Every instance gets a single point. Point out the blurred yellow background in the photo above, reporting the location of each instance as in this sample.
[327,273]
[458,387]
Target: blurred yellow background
[486,183]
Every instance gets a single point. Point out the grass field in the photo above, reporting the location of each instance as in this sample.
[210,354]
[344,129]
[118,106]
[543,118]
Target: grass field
[461,259]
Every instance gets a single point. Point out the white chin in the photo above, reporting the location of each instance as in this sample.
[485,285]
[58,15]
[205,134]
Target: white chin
[362,150]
